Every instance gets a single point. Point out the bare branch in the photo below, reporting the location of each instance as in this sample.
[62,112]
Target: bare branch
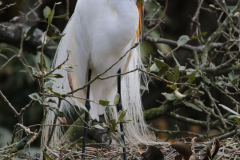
[9,104]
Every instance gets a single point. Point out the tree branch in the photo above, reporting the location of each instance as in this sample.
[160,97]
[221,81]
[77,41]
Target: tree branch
[185,46]
[12,35]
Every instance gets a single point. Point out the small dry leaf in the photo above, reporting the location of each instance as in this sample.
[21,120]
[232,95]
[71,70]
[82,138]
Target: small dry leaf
[182,148]
[236,14]
[216,149]
[140,150]
[70,81]
[179,157]
[208,155]
[152,153]
[63,120]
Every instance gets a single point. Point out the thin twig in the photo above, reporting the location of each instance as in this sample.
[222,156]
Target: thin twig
[9,104]
[97,76]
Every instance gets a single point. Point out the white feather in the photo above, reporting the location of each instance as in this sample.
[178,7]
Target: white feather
[98,34]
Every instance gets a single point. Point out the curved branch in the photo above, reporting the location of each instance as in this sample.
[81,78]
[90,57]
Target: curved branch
[185,46]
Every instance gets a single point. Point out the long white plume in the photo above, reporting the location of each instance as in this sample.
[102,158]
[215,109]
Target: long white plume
[136,131]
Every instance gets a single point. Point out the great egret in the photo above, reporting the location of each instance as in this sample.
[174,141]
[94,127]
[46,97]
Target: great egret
[98,34]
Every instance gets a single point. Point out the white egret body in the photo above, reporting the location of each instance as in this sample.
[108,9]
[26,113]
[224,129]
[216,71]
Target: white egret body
[98,34]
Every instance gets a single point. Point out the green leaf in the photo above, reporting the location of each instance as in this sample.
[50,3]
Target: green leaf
[61,16]
[48,84]
[36,97]
[54,82]
[120,140]
[163,70]
[179,95]
[116,98]
[121,133]
[80,105]
[58,3]
[182,68]
[57,76]
[113,124]
[103,103]
[235,117]
[46,12]
[176,73]
[55,93]
[170,97]
[67,68]
[57,37]
[182,40]
[160,63]
[31,31]
[192,76]
[154,68]
[46,156]
[90,122]
[169,76]
[228,109]
[126,121]
[20,145]
[190,71]
[97,126]
[228,84]
[5,57]
[192,105]
[43,38]
[200,93]
[51,101]
[232,116]
[172,86]
[200,35]
[234,81]
[122,115]
[57,112]
[50,17]
[231,76]
[107,110]
[34,70]
[69,51]
[237,120]
[220,83]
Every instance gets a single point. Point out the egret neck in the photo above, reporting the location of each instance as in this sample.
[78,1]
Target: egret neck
[140,5]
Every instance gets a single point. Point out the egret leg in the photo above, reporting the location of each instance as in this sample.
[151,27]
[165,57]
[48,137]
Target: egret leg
[87,104]
[119,108]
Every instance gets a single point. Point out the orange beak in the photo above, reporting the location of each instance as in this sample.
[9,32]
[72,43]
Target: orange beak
[141,21]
